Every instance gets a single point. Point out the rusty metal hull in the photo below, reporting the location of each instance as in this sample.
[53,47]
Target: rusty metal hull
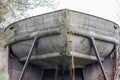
[54,38]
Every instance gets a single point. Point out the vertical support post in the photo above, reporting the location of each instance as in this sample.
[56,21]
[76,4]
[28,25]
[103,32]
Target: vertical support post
[98,58]
[56,74]
[8,64]
[70,73]
[28,58]
[116,62]
[83,73]
[42,74]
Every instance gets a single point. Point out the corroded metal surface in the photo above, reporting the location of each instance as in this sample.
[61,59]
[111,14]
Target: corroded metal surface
[93,71]
[31,73]
[34,72]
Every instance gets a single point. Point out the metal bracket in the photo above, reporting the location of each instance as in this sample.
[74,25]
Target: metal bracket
[98,58]
[28,58]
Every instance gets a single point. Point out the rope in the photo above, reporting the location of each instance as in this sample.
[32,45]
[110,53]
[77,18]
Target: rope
[71,40]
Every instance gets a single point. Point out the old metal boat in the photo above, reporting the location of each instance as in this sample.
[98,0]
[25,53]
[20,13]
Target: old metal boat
[61,35]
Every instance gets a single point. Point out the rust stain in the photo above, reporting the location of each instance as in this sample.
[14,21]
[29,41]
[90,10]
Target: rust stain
[16,74]
[3,59]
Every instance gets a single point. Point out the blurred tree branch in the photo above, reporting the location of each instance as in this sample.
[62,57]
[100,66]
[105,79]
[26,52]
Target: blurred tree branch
[17,8]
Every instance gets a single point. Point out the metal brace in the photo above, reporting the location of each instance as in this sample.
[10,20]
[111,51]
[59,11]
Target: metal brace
[28,58]
[98,58]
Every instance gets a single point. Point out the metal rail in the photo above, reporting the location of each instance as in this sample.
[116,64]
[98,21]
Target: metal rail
[98,58]
[28,58]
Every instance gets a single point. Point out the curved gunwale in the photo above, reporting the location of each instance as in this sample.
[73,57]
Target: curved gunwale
[58,31]
[61,10]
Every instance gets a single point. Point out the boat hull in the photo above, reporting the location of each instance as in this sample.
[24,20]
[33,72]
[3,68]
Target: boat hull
[61,35]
